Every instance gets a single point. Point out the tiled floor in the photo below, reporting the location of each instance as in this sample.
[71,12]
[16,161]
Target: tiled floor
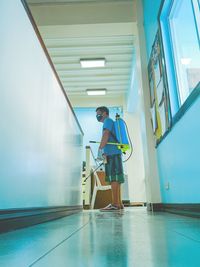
[131,238]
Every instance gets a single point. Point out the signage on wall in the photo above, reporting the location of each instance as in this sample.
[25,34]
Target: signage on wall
[159,96]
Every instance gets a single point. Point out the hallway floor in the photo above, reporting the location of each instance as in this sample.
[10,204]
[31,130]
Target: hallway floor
[132,238]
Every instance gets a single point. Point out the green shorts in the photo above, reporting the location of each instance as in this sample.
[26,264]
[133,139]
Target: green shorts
[114,169]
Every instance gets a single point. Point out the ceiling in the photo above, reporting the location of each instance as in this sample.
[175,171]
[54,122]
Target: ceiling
[92,37]
[36,2]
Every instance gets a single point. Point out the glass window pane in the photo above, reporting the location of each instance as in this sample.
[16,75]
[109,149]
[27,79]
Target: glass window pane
[185,42]
[196,7]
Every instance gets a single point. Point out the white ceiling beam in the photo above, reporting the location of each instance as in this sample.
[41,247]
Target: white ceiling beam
[90,52]
[84,92]
[118,58]
[57,2]
[103,40]
[110,100]
[109,57]
[109,88]
[114,66]
[88,46]
[122,54]
[94,84]
[88,30]
[98,79]
[121,89]
[91,72]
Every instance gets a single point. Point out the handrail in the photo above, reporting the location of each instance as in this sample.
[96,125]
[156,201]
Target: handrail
[92,153]
[49,59]
[88,173]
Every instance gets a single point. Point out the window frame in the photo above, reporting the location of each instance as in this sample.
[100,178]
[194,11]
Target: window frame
[174,49]
[171,71]
[195,6]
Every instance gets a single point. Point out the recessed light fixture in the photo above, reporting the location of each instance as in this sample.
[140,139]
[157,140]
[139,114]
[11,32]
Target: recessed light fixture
[92,62]
[96,91]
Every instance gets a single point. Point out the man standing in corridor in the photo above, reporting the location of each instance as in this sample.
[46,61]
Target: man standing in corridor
[113,165]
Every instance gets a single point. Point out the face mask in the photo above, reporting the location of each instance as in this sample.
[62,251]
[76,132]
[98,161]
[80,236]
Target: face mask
[99,117]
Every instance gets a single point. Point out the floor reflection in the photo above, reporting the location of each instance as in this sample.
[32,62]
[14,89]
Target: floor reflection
[132,238]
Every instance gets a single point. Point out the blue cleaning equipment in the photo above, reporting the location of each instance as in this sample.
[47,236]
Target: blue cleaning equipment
[123,141]
[121,130]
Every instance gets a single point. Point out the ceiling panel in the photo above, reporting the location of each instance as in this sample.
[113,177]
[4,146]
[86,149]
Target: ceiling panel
[103,30]
[117,50]
[72,1]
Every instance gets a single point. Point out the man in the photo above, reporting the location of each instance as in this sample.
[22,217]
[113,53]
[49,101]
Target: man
[113,165]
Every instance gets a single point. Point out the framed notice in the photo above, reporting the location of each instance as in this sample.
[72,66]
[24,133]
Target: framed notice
[159,96]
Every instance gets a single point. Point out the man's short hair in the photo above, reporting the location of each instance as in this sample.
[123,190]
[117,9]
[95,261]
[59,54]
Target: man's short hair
[103,109]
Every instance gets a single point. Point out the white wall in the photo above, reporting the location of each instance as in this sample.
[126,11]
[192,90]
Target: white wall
[40,141]
[135,165]
[149,151]
[132,114]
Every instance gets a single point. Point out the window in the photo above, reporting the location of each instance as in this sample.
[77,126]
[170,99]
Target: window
[184,30]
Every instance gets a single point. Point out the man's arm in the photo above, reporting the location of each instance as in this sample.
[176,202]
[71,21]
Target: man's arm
[104,139]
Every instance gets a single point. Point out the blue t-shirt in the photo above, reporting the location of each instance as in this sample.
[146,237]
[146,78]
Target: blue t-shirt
[110,149]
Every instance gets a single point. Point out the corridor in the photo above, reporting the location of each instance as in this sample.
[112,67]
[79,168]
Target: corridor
[99,107]
[132,238]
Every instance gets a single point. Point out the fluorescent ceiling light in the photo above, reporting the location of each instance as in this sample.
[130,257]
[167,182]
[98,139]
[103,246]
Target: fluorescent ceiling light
[96,91]
[93,63]
[185,61]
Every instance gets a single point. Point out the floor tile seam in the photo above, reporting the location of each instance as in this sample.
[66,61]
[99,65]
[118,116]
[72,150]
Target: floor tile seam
[188,237]
[60,243]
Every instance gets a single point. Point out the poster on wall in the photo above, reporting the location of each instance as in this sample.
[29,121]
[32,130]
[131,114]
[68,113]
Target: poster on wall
[159,96]
[153,118]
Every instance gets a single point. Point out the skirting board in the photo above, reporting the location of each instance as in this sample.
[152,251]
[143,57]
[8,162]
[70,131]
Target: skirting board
[185,209]
[13,219]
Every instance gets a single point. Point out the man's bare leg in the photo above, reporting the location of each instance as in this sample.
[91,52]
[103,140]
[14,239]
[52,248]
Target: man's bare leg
[116,194]
[120,197]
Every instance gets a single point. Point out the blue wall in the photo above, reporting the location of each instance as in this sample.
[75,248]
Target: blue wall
[178,158]
[178,154]
[40,141]
[151,9]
